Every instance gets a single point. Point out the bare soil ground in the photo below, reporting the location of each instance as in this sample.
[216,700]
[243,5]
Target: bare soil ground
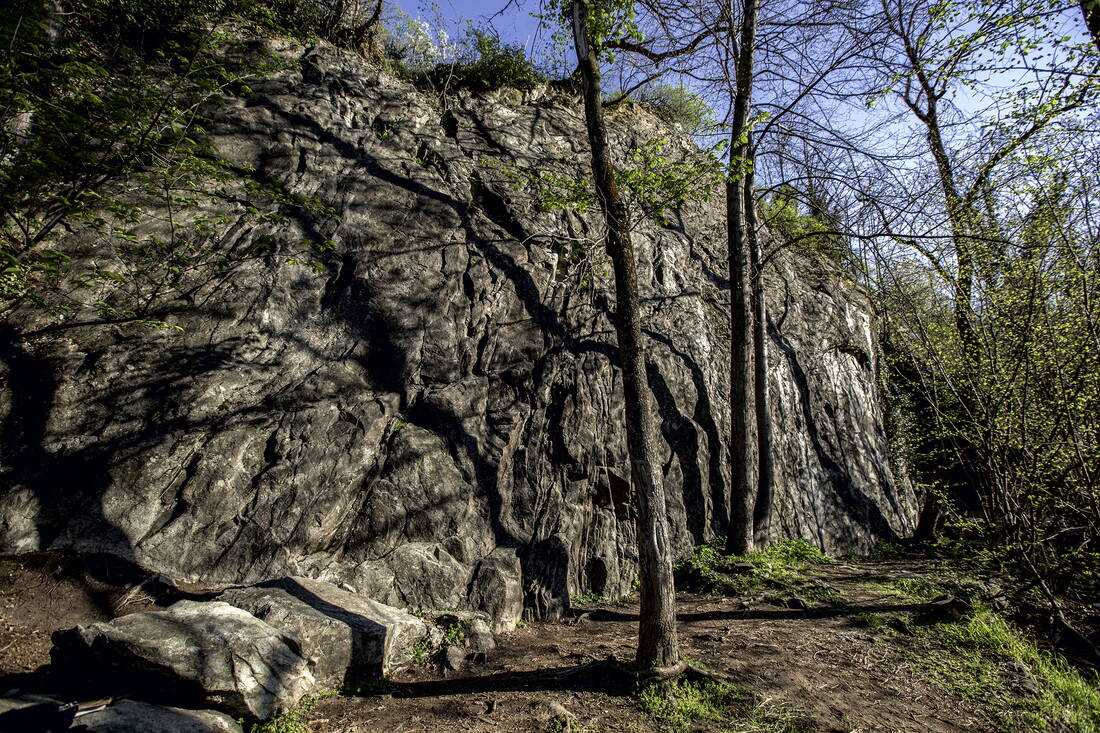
[842,676]
[43,592]
[819,661]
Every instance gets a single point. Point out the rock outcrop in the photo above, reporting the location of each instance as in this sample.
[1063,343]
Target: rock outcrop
[32,715]
[341,634]
[435,419]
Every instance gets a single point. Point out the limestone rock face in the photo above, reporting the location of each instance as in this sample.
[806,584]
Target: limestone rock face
[208,651]
[435,419]
[340,632]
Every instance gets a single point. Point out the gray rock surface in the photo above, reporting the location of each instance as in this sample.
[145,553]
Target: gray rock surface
[340,632]
[210,651]
[473,628]
[128,716]
[453,657]
[478,636]
[435,419]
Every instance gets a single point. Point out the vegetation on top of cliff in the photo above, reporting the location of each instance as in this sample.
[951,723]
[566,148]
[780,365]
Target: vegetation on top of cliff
[431,59]
[677,104]
[104,107]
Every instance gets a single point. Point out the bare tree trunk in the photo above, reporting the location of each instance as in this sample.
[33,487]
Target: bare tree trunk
[765,466]
[657,643]
[739,538]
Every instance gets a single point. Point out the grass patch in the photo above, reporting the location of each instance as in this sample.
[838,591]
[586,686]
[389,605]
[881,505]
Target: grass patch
[867,620]
[294,720]
[780,566]
[975,654]
[924,588]
[885,550]
[684,704]
[917,590]
[422,651]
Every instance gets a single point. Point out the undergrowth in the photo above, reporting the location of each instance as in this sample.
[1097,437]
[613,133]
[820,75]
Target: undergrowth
[684,704]
[939,582]
[983,657]
[779,566]
[867,620]
[918,590]
[983,646]
[294,720]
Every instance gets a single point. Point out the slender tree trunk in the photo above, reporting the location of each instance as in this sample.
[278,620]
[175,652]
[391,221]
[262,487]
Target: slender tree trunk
[739,539]
[657,644]
[960,215]
[765,467]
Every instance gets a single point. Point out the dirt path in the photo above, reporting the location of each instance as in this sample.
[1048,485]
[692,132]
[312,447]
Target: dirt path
[817,660]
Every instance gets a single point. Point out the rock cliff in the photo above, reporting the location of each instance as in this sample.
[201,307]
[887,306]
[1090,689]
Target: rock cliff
[435,419]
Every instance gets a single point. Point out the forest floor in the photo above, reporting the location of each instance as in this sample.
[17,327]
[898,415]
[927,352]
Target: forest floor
[842,667]
[839,646]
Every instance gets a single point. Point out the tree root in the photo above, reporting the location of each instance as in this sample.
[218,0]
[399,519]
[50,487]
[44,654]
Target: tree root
[664,675]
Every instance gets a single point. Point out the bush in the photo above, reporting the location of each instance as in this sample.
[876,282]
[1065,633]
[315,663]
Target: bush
[480,62]
[97,91]
[678,105]
[497,65]
[777,566]
[783,213]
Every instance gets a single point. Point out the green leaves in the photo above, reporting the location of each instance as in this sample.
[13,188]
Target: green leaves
[655,184]
[605,20]
[678,105]
[102,130]
[651,182]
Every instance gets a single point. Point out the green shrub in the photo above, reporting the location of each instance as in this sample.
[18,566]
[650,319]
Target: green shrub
[480,62]
[679,105]
[496,65]
[784,213]
[778,566]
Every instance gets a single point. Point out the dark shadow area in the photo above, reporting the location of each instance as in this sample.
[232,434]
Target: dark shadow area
[596,677]
[765,614]
[680,434]
[704,418]
[57,479]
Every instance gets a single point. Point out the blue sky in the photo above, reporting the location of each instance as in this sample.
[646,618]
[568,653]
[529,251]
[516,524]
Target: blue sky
[515,24]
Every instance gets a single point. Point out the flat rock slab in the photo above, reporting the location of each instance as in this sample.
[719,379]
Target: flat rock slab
[211,652]
[341,632]
[128,716]
[35,714]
